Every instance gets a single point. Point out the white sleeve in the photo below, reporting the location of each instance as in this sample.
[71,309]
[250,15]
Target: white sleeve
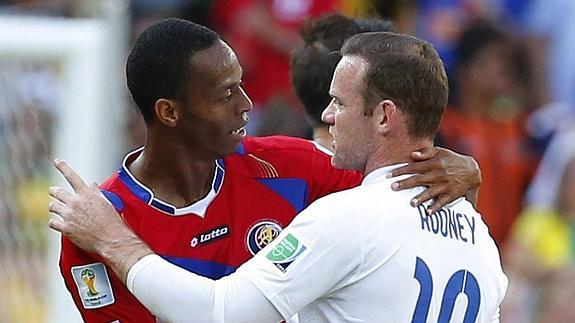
[320,252]
[173,294]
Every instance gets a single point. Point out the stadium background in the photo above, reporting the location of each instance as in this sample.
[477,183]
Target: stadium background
[63,94]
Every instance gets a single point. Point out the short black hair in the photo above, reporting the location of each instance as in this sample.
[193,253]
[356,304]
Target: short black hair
[406,70]
[158,65]
[314,61]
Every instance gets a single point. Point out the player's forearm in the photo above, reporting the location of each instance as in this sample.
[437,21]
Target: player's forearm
[122,253]
[175,295]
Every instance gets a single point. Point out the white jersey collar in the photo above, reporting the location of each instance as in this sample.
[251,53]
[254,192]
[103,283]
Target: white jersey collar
[380,174]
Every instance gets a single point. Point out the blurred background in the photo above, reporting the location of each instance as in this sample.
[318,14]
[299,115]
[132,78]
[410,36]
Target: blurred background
[512,107]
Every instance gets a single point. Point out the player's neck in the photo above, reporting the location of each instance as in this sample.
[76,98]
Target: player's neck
[173,176]
[394,153]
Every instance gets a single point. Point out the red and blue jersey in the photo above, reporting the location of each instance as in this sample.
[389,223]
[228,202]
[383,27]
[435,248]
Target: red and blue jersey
[255,193]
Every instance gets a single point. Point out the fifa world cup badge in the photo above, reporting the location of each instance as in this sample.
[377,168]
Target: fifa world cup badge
[93,285]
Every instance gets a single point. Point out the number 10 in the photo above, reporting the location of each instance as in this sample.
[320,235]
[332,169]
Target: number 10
[461,282]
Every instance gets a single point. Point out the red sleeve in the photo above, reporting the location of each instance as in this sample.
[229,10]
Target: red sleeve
[108,299]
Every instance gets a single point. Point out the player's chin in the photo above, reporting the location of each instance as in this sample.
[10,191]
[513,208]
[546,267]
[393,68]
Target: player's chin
[346,160]
[337,161]
[230,147]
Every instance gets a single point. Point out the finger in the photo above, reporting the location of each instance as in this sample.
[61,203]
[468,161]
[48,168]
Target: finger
[57,208]
[438,203]
[428,194]
[426,179]
[60,194]
[415,168]
[70,175]
[56,223]
[424,153]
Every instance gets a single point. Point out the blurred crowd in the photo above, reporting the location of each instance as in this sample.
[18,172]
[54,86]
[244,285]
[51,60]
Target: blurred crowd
[512,107]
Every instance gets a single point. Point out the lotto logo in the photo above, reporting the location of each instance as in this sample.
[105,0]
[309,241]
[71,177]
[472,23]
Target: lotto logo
[210,236]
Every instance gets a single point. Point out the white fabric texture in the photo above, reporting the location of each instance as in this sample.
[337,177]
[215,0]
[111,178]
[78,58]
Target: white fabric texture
[173,294]
[361,247]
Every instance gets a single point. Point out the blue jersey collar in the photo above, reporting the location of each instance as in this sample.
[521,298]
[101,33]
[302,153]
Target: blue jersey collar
[147,196]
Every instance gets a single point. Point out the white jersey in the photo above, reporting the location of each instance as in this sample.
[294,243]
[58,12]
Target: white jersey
[366,255]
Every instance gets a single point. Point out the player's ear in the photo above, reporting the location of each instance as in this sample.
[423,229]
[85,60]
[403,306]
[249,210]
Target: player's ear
[166,112]
[384,115]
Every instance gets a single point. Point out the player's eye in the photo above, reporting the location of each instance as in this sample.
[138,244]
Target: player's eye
[336,103]
[228,95]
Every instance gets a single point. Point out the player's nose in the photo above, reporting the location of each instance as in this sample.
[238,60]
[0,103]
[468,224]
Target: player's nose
[327,116]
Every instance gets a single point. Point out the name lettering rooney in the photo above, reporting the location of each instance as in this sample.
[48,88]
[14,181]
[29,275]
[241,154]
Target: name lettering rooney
[449,224]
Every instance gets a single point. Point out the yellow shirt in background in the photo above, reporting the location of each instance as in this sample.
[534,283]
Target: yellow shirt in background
[548,234]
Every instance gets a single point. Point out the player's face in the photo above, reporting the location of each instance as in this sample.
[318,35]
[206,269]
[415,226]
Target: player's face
[351,129]
[217,106]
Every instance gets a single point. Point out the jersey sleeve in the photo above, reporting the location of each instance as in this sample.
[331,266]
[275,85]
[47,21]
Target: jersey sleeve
[98,293]
[317,254]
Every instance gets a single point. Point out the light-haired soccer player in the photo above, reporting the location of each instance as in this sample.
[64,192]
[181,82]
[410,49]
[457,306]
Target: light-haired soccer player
[361,255]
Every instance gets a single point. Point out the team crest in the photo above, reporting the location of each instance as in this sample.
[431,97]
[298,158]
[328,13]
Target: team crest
[93,285]
[261,234]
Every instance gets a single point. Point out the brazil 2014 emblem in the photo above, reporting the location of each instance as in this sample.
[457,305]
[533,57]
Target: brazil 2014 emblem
[93,285]
[261,234]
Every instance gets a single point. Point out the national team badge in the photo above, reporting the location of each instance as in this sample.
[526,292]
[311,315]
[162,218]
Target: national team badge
[93,285]
[286,252]
[261,234]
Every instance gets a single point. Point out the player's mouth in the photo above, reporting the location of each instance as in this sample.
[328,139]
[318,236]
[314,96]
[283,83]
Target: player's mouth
[240,132]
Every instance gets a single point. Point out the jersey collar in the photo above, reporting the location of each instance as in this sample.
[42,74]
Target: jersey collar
[147,196]
[379,174]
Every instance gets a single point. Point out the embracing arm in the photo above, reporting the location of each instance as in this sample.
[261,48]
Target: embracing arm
[447,175]
[177,295]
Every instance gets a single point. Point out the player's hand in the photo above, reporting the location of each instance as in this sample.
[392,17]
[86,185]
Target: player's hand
[92,223]
[85,216]
[446,174]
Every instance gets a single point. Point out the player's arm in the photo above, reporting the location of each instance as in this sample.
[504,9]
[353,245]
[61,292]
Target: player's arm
[446,174]
[172,293]
[278,282]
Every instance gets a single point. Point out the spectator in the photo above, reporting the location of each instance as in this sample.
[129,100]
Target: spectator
[486,123]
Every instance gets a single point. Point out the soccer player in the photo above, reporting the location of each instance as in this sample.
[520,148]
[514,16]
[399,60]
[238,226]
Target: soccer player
[200,193]
[314,60]
[312,65]
[364,254]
